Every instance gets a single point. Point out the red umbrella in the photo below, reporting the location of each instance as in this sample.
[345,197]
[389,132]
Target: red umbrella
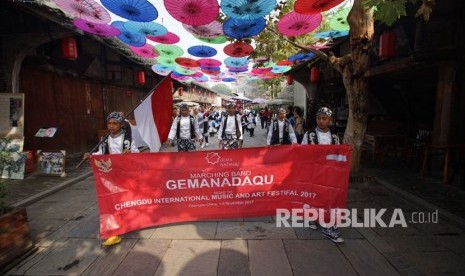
[314,6]
[238,49]
[187,62]
[295,24]
[211,72]
[144,51]
[96,28]
[209,62]
[85,9]
[284,62]
[193,12]
[212,29]
[168,38]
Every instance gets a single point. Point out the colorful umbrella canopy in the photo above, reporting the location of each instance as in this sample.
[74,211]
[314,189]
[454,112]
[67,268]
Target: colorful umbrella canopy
[261,70]
[166,61]
[183,71]
[211,68]
[145,28]
[338,21]
[187,62]
[284,62]
[295,24]
[243,28]
[238,69]
[160,67]
[301,56]
[96,28]
[247,9]
[238,49]
[280,69]
[193,12]
[228,79]
[232,61]
[331,34]
[314,6]
[213,40]
[128,37]
[212,29]
[170,51]
[210,72]
[88,10]
[211,62]
[168,38]
[202,51]
[135,10]
[144,51]
[259,101]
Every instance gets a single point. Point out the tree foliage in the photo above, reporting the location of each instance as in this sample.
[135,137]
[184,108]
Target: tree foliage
[222,89]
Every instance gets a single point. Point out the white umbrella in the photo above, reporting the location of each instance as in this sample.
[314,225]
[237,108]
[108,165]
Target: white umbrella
[188,103]
[260,101]
[279,102]
[242,98]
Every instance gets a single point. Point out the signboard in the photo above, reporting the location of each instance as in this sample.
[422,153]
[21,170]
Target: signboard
[51,163]
[11,115]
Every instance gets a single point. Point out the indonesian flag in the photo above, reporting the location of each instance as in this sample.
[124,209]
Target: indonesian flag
[153,115]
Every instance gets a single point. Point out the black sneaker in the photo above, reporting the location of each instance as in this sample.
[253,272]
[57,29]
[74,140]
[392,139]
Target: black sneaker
[331,234]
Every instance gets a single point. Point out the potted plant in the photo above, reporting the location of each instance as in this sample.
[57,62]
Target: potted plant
[15,240]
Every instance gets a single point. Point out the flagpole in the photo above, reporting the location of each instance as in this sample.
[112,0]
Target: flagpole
[125,116]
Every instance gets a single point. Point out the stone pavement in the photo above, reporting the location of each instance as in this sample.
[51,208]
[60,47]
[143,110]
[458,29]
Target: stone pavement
[65,228]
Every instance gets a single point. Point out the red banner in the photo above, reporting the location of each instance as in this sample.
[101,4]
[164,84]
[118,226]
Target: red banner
[145,189]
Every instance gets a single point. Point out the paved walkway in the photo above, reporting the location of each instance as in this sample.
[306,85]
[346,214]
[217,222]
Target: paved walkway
[65,227]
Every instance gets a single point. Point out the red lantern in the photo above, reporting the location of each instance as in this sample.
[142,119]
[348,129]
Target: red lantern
[387,44]
[128,93]
[314,75]
[180,91]
[141,77]
[290,79]
[69,48]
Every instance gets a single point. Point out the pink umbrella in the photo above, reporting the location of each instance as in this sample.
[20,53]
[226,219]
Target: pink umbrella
[212,29]
[209,62]
[168,38]
[295,24]
[96,28]
[144,51]
[193,12]
[85,9]
[261,70]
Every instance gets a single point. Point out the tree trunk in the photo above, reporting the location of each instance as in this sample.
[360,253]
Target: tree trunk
[353,68]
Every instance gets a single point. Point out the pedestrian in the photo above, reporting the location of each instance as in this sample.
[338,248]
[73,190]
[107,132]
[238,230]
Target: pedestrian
[230,132]
[298,122]
[185,129]
[281,131]
[244,121]
[267,116]
[322,135]
[198,115]
[252,122]
[262,117]
[118,141]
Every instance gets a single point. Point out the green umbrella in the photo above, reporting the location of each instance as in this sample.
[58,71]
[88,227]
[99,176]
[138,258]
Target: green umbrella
[168,50]
[183,71]
[213,40]
[339,21]
[167,61]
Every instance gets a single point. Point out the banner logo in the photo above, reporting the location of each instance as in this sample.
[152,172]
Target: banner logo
[103,166]
[213,158]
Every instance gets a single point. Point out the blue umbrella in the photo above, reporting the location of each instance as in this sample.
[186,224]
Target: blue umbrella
[238,70]
[243,28]
[128,37]
[280,69]
[247,9]
[301,56]
[135,10]
[201,79]
[211,68]
[331,34]
[236,62]
[145,28]
[202,51]
[229,79]
[161,67]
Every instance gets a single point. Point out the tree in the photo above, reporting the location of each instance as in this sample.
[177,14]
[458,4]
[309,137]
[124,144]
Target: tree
[354,65]
[222,89]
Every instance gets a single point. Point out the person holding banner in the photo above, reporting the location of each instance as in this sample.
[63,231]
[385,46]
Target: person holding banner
[117,142]
[230,134]
[281,131]
[321,135]
[186,129]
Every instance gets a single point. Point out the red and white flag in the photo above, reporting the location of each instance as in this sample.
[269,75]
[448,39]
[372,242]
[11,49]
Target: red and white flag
[153,115]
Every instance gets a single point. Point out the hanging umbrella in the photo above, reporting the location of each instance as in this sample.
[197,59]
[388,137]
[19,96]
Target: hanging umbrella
[171,51]
[201,79]
[259,101]
[211,68]
[168,38]
[183,71]
[213,40]
[162,68]
[228,79]
[331,34]
[144,51]
[187,62]
[339,21]
[238,49]
[232,61]
[96,28]
[193,12]
[261,70]
[284,62]
[88,10]
[280,69]
[212,29]
[295,24]
[314,6]
[210,62]
[301,56]
[243,28]
[145,28]
[197,74]
[128,37]
[240,97]
[238,70]
[135,10]
[202,51]
[167,61]
[247,9]
[210,72]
